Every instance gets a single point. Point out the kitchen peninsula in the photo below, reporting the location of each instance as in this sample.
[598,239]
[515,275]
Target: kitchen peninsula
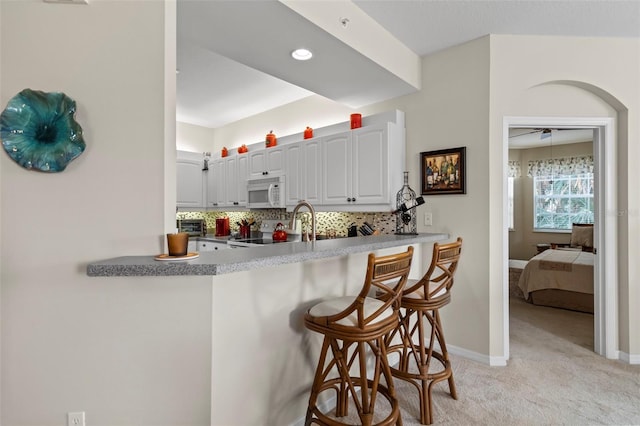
[262,357]
[243,259]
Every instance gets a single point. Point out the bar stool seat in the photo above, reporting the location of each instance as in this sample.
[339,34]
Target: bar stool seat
[420,329]
[334,306]
[354,328]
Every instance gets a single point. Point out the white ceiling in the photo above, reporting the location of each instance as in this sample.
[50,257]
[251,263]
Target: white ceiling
[523,138]
[233,56]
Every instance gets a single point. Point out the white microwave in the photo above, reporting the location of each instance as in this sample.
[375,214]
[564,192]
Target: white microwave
[266,193]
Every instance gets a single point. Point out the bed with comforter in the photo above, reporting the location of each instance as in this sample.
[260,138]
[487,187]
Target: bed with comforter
[559,278]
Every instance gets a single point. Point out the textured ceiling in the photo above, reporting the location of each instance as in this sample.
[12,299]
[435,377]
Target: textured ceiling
[232,55]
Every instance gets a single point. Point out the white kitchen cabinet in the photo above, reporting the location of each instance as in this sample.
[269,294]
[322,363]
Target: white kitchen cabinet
[242,172]
[190,180]
[207,245]
[339,170]
[304,168]
[336,169]
[370,161]
[294,156]
[357,166]
[231,185]
[227,182]
[267,161]
[216,183]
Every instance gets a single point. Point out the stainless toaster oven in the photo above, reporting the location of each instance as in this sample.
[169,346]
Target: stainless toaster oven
[193,227]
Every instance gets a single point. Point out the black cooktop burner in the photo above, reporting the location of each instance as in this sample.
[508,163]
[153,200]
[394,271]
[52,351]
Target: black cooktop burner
[257,241]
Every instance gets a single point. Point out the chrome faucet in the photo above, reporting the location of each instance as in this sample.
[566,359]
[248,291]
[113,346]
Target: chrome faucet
[313,217]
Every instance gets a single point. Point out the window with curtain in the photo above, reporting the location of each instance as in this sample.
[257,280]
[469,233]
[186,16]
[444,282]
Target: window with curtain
[562,192]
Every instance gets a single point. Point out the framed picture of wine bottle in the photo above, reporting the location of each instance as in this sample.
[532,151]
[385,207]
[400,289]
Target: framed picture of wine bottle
[443,171]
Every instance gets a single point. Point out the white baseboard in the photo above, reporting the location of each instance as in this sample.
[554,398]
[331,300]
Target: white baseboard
[629,358]
[493,361]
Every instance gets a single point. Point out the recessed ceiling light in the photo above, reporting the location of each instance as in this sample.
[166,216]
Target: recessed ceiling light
[301,54]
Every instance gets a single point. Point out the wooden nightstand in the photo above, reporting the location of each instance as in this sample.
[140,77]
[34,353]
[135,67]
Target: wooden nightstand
[542,247]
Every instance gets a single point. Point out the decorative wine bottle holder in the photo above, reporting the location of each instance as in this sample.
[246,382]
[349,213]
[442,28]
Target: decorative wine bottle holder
[406,221]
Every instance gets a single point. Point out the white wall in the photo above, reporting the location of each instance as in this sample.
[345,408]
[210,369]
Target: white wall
[313,111]
[580,77]
[128,351]
[190,137]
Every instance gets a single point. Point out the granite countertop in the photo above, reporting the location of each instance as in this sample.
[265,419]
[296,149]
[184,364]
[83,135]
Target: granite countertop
[246,258]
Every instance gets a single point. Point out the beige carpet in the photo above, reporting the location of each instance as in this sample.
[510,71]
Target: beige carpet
[552,378]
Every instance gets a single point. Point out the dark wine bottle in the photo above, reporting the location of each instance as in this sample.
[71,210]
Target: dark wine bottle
[411,204]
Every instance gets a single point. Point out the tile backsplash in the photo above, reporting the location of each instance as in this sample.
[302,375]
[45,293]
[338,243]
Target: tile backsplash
[340,221]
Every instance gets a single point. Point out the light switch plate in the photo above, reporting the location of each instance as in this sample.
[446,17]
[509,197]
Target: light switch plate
[428,219]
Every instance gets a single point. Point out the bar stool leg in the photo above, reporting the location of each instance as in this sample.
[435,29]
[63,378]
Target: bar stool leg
[340,358]
[345,385]
[388,375]
[317,380]
[418,349]
[445,354]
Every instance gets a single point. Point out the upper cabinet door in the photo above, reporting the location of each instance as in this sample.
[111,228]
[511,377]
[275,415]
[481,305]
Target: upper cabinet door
[231,183]
[257,163]
[216,183]
[241,179]
[312,171]
[303,172]
[189,185]
[336,169]
[294,156]
[370,162]
[267,161]
[275,160]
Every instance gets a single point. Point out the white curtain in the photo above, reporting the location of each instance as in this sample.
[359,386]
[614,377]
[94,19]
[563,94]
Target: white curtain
[561,166]
[514,169]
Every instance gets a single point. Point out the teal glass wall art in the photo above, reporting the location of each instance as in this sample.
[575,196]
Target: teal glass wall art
[39,131]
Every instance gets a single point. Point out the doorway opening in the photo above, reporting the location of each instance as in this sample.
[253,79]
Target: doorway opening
[604,234]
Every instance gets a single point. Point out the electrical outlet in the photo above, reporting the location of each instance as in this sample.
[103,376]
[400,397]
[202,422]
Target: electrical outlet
[428,219]
[75,419]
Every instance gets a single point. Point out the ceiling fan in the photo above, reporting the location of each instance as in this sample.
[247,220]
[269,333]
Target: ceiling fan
[545,132]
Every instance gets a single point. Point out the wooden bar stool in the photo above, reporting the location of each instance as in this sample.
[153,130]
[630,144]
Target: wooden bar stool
[354,328]
[421,301]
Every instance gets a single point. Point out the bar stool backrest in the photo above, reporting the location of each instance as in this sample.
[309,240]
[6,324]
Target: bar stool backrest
[386,275]
[438,280]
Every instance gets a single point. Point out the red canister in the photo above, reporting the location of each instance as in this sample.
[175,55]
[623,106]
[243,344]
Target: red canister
[356,121]
[222,226]
[271,139]
[308,133]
